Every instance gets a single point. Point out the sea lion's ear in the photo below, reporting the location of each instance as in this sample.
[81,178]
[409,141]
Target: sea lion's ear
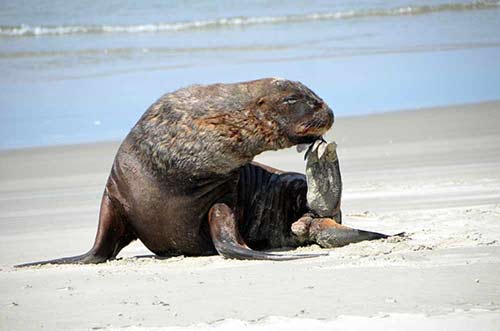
[261,101]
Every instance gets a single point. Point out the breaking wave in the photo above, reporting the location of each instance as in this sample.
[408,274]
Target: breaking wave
[28,30]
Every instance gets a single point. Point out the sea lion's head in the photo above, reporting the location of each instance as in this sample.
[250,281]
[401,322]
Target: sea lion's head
[300,114]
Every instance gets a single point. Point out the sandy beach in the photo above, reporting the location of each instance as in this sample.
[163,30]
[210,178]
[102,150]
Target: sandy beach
[434,173]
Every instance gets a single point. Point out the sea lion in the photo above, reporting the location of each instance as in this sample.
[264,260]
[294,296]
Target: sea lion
[183,180]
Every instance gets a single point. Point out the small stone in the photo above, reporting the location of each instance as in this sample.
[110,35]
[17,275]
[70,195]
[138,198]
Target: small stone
[67,288]
[421,248]
[160,303]
[477,280]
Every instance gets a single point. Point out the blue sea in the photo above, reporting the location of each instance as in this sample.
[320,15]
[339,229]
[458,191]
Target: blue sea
[84,71]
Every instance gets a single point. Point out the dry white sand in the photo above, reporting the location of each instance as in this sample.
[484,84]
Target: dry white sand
[433,173]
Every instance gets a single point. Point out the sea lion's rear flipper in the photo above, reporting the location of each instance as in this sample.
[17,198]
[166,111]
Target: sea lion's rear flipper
[329,234]
[112,236]
[87,258]
[228,242]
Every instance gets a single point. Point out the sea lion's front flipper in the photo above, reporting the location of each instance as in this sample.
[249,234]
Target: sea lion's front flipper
[322,225]
[324,182]
[329,234]
[229,243]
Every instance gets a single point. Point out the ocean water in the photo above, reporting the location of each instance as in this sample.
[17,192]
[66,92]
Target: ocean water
[84,71]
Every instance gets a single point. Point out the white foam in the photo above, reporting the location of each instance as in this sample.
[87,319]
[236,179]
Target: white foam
[29,30]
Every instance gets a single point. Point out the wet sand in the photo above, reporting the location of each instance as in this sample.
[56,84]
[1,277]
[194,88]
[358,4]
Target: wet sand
[433,173]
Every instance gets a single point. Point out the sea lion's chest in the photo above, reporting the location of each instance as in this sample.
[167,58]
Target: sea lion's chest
[162,209]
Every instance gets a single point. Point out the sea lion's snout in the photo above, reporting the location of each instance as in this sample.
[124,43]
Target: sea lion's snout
[317,123]
[329,114]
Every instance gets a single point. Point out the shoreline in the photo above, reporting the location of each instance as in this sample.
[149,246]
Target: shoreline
[430,172]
